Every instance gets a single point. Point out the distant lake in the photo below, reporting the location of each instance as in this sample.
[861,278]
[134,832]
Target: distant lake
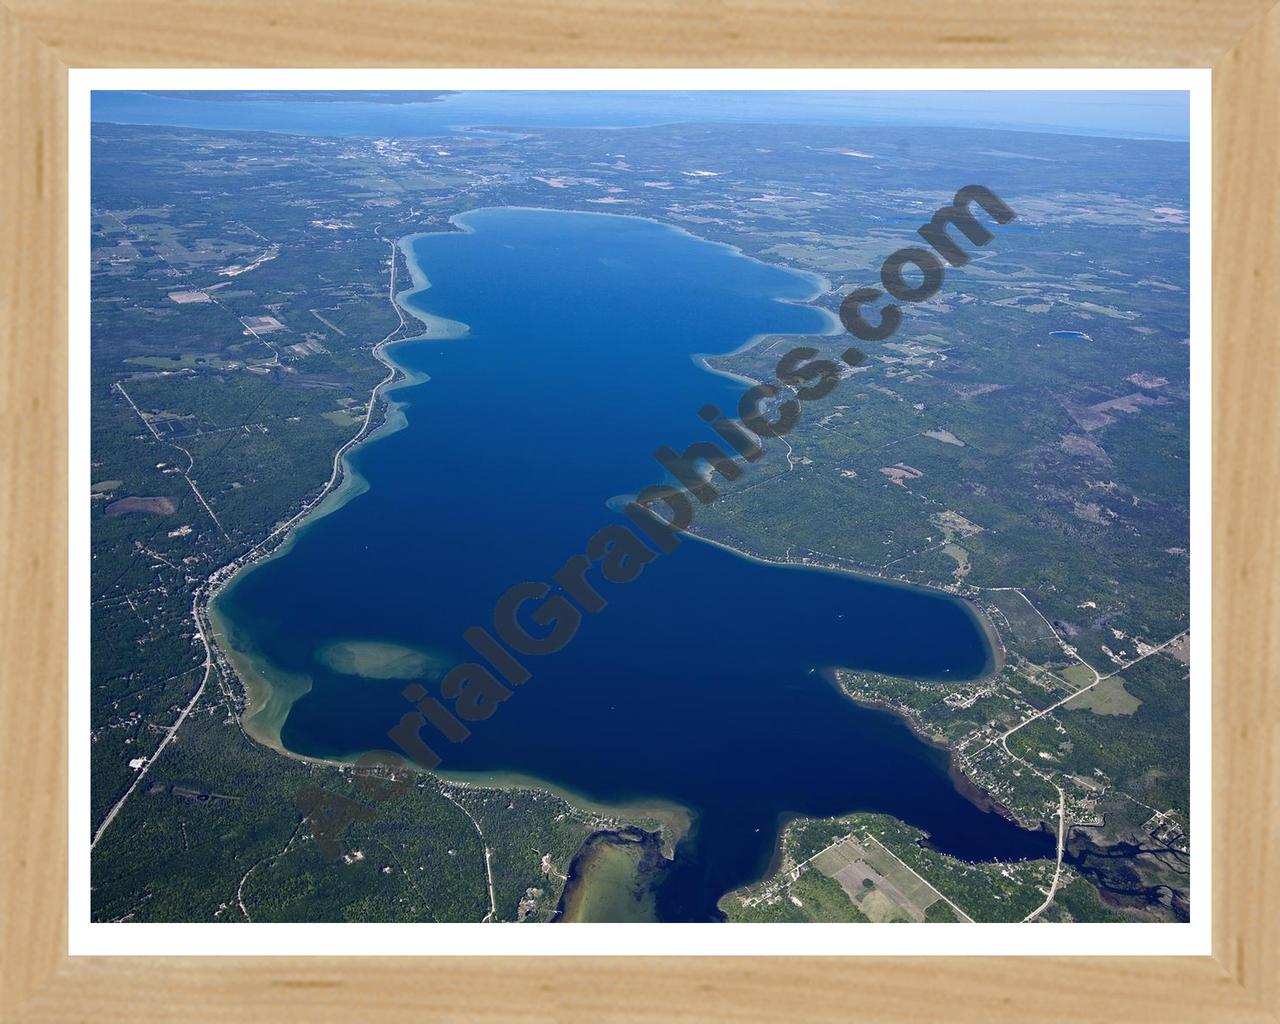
[702,683]
[1147,115]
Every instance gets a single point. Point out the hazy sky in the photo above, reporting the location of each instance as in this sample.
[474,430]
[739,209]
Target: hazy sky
[1157,115]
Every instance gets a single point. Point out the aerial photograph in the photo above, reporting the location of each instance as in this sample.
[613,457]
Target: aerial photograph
[639,506]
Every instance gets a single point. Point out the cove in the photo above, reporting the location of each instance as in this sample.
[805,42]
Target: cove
[704,683]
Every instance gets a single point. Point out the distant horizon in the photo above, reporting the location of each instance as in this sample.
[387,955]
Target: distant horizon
[1140,115]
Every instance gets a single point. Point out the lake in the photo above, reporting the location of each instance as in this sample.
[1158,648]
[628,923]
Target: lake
[703,683]
[1158,115]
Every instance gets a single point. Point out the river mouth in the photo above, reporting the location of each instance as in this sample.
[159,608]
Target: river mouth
[701,682]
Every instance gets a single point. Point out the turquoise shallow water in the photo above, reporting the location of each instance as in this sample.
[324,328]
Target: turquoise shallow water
[701,683]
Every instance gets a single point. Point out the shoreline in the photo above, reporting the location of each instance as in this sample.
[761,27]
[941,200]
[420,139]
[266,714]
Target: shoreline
[995,645]
[262,720]
[965,786]
[345,483]
[257,721]
[675,821]
[579,891]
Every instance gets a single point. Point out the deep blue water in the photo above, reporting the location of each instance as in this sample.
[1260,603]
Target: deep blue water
[700,682]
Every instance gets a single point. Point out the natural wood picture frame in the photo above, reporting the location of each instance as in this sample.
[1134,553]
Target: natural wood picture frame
[42,39]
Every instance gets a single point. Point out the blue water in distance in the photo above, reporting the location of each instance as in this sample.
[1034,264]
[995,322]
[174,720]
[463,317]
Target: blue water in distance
[701,682]
[1124,114]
